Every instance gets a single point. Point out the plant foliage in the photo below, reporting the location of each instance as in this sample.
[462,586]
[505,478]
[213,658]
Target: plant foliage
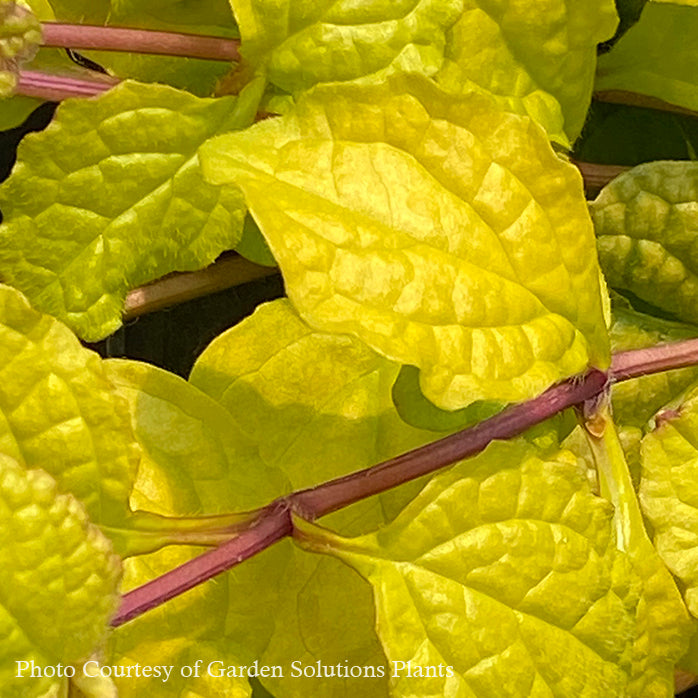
[410,168]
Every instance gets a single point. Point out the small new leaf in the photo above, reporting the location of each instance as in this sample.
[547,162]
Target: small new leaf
[20,36]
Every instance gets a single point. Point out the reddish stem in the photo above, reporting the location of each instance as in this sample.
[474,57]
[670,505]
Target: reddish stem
[664,357]
[54,88]
[273,524]
[83,36]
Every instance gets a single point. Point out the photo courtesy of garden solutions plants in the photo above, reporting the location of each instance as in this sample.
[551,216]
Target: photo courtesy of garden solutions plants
[459,457]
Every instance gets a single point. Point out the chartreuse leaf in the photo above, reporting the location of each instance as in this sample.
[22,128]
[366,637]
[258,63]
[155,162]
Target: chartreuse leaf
[646,223]
[668,491]
[196,460]
[192,447]
[198,16]
[514,50]
[398,213]
[510,49]
[317,406]
[415,409]
[303,44]
[58,411]
[501,578]
[636,401]
[58,581]
[663,625]
[111,196]
[20,36]
[657,57]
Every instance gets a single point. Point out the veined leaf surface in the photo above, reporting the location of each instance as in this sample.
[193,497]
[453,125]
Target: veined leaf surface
[505,569]
[59,412]
[58,581]
[646,221]
[442,231]
[317,406]
[669,494]
[111,196]
[510,49]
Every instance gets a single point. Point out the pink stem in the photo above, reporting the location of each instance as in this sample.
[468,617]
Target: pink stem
[54,88]
[83,36]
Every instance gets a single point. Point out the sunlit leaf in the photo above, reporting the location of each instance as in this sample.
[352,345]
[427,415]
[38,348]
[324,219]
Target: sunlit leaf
[58,411]
[504,569]
[398,213]
[111,196]
[58,581]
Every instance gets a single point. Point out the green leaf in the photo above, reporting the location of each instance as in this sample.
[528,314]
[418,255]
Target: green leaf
[690,3]
[668,492]
[645,225]
[317,406]
[636,401]
[504,569]
[20,36]
[514,50]
[58,411]
[58,579]
[509,49]
[656,57]
[416,410]
[15,110]
[192,447]
[397,213]
[110,196]
[253,246]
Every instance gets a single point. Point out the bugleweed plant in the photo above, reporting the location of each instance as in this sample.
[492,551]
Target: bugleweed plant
[460,458]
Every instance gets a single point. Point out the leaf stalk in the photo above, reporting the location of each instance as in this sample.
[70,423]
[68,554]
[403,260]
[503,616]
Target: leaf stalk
[83,36]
